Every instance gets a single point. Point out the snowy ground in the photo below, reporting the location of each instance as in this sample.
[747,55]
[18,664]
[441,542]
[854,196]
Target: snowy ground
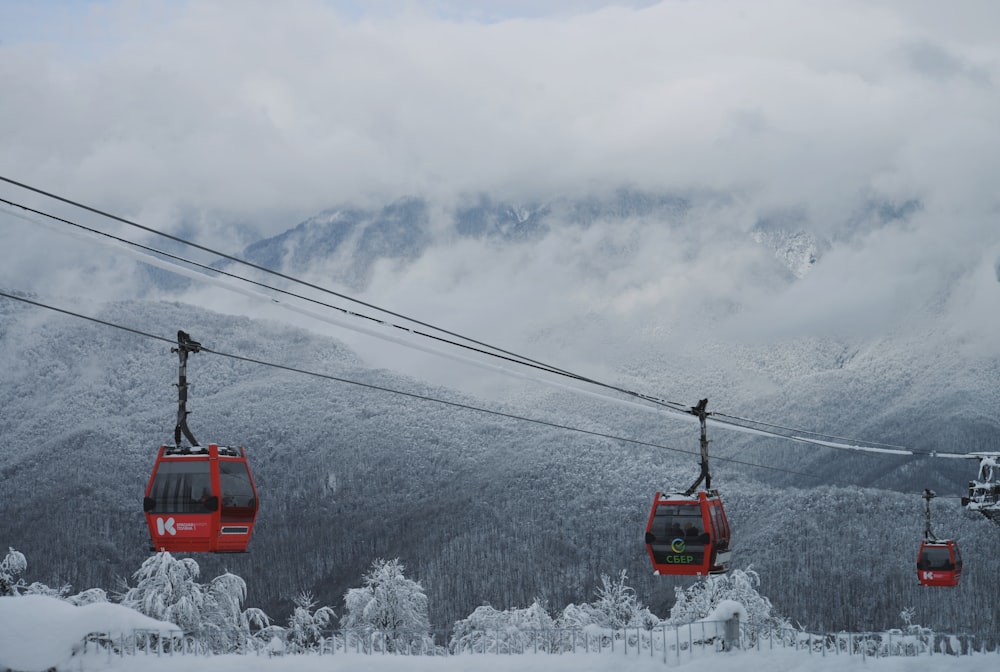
[750,661]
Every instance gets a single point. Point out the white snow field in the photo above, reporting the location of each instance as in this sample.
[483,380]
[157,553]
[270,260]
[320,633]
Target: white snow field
[777,660]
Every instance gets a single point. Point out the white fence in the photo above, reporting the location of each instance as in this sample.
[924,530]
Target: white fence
[889,643]
[671,644]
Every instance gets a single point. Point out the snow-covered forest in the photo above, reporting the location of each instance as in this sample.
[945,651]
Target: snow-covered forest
[170,590]
[165,610]
[478,509]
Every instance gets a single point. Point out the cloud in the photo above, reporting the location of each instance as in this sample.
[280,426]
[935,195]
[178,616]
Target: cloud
[197,103]
[224,119]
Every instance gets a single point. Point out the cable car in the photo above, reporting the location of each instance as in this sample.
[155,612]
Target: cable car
[199,500]
[939,562]
[688,535]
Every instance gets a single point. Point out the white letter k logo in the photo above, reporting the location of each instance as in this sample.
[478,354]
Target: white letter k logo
[165,526]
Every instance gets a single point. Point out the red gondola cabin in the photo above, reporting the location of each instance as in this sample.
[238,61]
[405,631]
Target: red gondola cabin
[688,535]
[939,563]
[200,501]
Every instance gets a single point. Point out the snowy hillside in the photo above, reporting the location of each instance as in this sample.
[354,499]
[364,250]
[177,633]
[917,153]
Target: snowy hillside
[479,507]
[633,284]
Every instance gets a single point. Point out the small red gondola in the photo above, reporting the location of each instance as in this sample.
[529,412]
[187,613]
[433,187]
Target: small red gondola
[939,562]
[688,535]
[198,500]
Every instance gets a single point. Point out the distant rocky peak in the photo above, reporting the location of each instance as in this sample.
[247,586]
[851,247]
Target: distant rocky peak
[797,249]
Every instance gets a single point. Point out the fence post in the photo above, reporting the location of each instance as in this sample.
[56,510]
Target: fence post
[732,637]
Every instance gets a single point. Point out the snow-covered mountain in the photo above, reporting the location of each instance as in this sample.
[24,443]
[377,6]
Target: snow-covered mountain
[479,507]
[354,238]
[344,242]
[679,296]
[683,295]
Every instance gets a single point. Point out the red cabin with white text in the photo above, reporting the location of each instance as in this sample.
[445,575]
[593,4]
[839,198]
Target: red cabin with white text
[688,535]
[200,501]
[939,563]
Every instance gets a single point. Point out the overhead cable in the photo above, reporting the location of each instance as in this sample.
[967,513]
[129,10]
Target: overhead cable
[732,422]
[489,350]
[156,257]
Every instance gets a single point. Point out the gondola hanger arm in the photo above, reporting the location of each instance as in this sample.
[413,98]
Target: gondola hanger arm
[705,474]
[184,346]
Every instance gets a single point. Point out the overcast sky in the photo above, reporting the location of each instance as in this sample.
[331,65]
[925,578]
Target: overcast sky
[226,113]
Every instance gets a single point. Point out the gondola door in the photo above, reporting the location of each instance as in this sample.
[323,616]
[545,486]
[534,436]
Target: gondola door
[181,510]
[237,503]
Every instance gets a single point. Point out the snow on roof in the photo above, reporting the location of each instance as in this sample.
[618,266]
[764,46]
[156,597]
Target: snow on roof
[725,610]
[677,496]
[38,632]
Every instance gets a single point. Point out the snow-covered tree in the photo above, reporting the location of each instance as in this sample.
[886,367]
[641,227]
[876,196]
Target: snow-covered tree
[167,589]
[389,603]
[306,624]
[488,629]
[701,598]
[915,630]
[618,606]
[226,626]
[577,616]
[534,617]
[11,567]
[616,602]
